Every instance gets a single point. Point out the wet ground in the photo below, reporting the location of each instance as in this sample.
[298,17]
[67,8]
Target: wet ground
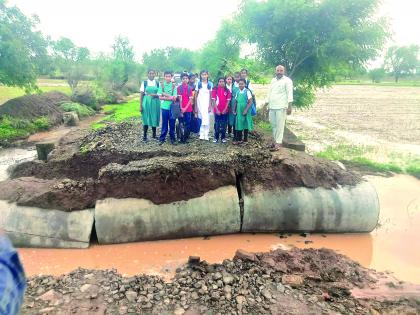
[392,246]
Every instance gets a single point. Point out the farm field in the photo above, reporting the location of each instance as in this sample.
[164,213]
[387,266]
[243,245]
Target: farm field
[45,85]
[360,122]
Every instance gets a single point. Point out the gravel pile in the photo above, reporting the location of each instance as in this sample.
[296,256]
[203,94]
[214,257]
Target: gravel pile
[280,282]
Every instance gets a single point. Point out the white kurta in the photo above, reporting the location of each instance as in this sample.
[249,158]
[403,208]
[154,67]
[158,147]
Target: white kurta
[203,103]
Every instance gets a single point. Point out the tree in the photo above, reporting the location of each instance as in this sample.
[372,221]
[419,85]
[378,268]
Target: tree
[170,58]
[71,60]
[314,40]
[377,75]
[22,49]
[402,61]
[157,59]
[122,65]
[220,55]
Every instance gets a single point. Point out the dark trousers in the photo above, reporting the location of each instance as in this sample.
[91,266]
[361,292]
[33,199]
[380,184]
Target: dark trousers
[167,121]
[220,123]
[195,124]
[238,135]
[186,121]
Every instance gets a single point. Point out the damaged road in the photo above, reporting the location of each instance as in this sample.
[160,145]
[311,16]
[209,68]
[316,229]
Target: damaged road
[112,163]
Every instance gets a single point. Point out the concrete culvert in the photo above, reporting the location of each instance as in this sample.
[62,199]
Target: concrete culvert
[130,219]
[36,227]
[337,210]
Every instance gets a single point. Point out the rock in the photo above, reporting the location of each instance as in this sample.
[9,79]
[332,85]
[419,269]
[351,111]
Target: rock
[43,149]
[193,260]
[265,293]
[47,310]
[280,288]
[227,279]
[217,276]
[240,300]
[179,311]
[294,281]
[269,262]
[244,255]
[70,119]
[131,295]
[194,296]
[49,296]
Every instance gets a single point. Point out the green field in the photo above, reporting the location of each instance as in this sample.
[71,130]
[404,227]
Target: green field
[119,112]
[7,92]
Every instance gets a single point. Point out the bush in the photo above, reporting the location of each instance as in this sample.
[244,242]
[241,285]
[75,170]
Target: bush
[95,96]
[85,95]
[81,109]
[15,128]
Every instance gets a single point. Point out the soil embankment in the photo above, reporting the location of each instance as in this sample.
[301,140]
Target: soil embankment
[112,163]
[34,106]
[278,282]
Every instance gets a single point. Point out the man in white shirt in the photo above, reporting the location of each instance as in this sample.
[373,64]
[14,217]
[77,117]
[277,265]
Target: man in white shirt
[279,100]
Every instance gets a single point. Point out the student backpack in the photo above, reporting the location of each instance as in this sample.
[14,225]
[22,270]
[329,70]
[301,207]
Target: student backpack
[145,84]
[254,101]
[200,85]
[253,108]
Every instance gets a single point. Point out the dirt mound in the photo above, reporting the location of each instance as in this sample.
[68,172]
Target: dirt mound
[33,106]
[112,162]
[280,282]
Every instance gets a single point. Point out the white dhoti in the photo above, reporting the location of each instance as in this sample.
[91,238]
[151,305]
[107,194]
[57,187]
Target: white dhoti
[278,122]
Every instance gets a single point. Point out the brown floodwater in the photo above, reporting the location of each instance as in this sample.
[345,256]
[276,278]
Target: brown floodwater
[393,246]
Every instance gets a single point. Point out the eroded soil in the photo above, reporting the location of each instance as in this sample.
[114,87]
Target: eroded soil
[112,162]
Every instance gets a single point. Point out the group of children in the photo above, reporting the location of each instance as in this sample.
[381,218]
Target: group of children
[192,102]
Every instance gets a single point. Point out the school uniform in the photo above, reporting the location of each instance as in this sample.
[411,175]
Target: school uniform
[203,91]
[243,122]
[150,106]
[185,91]
[165,105]
[221,97]
[231,117]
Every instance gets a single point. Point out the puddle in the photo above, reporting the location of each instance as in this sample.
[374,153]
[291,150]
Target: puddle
[393,246]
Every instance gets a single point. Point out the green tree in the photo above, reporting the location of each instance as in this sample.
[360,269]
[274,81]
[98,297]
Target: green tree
[314,40]
[71,60]
[22,49]
[402,61]
[170,58]
[221,55]
[377,75]
[114,71]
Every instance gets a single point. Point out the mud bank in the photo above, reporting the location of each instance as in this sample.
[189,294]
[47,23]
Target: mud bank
[88,168]
[299,281]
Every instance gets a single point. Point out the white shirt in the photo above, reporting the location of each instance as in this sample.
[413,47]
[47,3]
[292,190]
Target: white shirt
[149,83]
[248,93]
[280,93]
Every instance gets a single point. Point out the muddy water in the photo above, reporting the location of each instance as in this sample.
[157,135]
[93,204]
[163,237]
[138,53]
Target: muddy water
[393,246]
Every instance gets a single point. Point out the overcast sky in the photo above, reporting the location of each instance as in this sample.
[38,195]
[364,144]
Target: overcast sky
[187,23]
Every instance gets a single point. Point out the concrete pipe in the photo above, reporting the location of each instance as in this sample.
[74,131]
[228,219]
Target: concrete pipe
[345,209]
[129,220]
[35,227]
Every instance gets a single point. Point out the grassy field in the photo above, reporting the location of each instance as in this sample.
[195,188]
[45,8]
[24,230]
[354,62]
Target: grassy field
[7,92]
[119,112]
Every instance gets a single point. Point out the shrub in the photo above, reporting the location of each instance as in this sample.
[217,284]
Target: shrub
[85,95]
[14,128]
[81,109]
